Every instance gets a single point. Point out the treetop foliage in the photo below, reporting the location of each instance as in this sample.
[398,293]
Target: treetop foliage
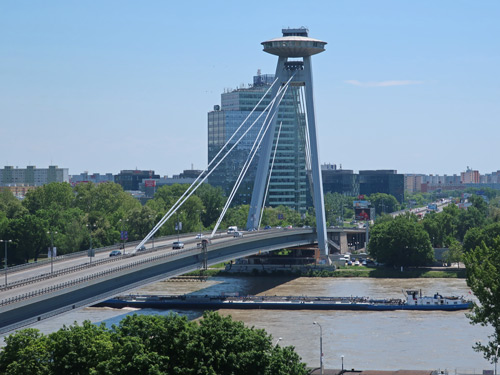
[483,277]
[401,241]
[153,344]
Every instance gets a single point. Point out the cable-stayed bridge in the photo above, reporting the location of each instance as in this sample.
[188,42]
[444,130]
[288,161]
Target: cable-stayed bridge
[30,297]
[40,290]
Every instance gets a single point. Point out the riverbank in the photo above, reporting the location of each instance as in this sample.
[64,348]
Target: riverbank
[317,271]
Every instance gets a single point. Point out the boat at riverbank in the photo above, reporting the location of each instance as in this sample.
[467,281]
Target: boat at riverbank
[414,301]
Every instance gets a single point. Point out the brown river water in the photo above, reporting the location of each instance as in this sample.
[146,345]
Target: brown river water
[388,340]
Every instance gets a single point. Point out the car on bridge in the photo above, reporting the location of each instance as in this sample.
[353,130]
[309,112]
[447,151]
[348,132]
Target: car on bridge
[237,234]
[178,245]
[115,253]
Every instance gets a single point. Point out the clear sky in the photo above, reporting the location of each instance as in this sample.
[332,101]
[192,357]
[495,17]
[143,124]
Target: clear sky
[104,85]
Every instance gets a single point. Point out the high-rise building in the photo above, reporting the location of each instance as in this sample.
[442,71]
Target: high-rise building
[382,181]
[32,176]
[288,184]
[130,179]
[413,183]
[470,177]
[342,181]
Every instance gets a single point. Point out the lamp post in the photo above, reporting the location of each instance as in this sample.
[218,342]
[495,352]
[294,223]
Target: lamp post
[51,250]
[153,236]
[496,352]
[178,225]
[124,235]
[199,211]
[342,358]
[277,341]
[5,242]
[320,348]
[91,251]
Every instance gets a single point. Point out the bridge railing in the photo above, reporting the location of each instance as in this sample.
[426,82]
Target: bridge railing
[45,261]
[105,272]
[86,278]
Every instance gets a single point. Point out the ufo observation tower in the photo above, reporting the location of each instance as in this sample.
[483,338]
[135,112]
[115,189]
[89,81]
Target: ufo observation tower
[294,51]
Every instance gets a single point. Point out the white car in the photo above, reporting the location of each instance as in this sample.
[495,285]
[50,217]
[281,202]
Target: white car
[237,234]
[199,235]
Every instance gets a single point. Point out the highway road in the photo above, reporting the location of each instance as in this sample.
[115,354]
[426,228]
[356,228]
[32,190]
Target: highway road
[36,276]
[35,293]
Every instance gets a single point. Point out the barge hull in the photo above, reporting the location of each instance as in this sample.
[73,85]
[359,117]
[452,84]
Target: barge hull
[216,305]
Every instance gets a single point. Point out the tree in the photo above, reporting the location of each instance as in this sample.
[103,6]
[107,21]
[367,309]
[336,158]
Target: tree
[454,254]
[337,206]
[476,236]
[79,349]
[25,353]
[213,200]
[401,242]
[153,345]
[56,195]
[483,277]
[10,205]
[29,237]
[383,203]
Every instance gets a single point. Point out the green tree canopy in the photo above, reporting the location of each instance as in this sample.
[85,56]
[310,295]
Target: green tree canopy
[338,206]
[383,203]
[401,242]
[153,345]
[10,205]
[29,238]
[56,195]
[483,277]
[476,236]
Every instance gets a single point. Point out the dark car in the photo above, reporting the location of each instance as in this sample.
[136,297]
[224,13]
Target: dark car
[178,245]
[115,253]
[142,248]
[267,227]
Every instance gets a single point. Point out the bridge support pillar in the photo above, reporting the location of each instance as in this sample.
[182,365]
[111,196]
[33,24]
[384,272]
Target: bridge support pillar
[343,243]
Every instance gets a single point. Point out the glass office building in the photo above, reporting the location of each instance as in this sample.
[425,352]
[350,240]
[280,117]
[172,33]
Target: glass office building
[289,181]
[382,181]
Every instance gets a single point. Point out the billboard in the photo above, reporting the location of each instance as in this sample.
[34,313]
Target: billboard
[364,214]
[361,204]
[149,183]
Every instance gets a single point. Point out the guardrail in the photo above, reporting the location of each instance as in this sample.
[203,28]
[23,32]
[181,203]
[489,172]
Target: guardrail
[45,261]
[95,275]
[65,271]
[86,278]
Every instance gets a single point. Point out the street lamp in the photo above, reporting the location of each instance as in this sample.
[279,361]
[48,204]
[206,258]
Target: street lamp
[178,226]
[124,235]
[153,236]
[496,352]
[91,251]
[5,242]
[51,250]
[200,211]
[320,347]
[342,358]
[277,341]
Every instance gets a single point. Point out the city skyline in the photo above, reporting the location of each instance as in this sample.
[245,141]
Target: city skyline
[109,86]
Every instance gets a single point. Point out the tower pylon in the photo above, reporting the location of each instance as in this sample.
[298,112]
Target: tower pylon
[294,51]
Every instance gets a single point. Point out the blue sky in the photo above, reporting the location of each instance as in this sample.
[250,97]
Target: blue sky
[109,85]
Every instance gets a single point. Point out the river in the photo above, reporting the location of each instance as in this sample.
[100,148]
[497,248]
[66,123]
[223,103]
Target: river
[388,340]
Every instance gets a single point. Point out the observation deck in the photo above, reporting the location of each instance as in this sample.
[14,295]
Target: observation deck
[294,46]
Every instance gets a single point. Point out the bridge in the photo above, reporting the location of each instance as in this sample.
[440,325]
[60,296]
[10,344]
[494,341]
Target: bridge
[41,290]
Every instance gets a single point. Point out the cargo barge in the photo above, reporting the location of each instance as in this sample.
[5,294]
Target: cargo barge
[414,301]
